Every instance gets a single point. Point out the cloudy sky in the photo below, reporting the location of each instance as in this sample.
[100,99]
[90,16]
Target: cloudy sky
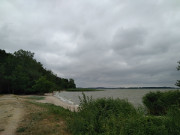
[110,43]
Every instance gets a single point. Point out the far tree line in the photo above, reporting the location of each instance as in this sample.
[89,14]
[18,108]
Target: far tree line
[20,73]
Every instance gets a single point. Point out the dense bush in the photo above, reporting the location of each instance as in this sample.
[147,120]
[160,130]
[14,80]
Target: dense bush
[109,116]
[101,116]
[158,103]
[173,121]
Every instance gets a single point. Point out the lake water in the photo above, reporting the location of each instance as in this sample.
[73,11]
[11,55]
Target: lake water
[134,96]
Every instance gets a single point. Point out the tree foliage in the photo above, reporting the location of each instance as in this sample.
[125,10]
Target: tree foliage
[20,73]
[42,85]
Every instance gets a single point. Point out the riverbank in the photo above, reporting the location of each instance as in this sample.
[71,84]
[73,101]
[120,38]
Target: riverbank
[94,116]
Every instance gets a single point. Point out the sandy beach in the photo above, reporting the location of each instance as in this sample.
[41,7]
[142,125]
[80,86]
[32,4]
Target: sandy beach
[50,98]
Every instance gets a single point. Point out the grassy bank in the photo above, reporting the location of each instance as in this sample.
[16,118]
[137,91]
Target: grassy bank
[105,116]
[43,119]
[109,116]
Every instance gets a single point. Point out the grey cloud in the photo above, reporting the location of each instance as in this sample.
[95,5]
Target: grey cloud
[129,39]
[109,43]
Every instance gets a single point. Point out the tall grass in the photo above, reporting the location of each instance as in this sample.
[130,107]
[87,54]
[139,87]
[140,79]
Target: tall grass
[107,116]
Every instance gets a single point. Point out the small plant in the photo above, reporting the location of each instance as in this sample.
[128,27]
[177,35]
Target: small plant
[1,129]
[21,129]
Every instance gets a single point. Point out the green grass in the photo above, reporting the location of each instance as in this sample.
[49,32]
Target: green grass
[53,109]
[36,97]
[82,89]
[43,119]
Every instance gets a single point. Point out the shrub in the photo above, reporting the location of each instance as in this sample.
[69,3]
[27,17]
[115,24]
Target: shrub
[107,116]
[101,116]
[158,103]
[144,125]
[173,121]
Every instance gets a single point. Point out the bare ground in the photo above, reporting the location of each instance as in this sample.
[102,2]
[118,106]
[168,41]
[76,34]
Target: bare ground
[11,113]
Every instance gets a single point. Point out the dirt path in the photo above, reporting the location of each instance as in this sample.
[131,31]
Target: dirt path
[11,113]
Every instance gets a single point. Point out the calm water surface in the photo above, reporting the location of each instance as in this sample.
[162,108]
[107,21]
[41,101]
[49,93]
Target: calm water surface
[134,96]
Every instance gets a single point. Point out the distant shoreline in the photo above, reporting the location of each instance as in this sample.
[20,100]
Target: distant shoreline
[133,88]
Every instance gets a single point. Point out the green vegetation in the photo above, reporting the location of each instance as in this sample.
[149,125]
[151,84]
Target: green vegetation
[53,109]
[105,116]
[42,85]
[43,119]
[36,97]
[159,103]
[20,73]
[82,89]
[109,116]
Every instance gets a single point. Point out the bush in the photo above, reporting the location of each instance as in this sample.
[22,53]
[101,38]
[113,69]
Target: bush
[107,116]
[158,103]
[101,116]
[173,121]
[144,125]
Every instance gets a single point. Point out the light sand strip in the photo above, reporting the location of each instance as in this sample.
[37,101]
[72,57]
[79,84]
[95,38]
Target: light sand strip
[54,100]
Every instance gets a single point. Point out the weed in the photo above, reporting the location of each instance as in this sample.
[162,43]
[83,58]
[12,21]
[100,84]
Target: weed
[21,129]
[1,129]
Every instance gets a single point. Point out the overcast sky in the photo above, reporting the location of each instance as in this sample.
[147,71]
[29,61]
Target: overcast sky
[110,43]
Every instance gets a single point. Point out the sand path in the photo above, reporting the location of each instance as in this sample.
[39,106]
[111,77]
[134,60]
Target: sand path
[11,113]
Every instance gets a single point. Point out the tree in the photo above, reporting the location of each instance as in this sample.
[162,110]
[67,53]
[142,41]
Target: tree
[42,85]
[24,54]
[71,83]
[20,80]
[178,81]
[20,71]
